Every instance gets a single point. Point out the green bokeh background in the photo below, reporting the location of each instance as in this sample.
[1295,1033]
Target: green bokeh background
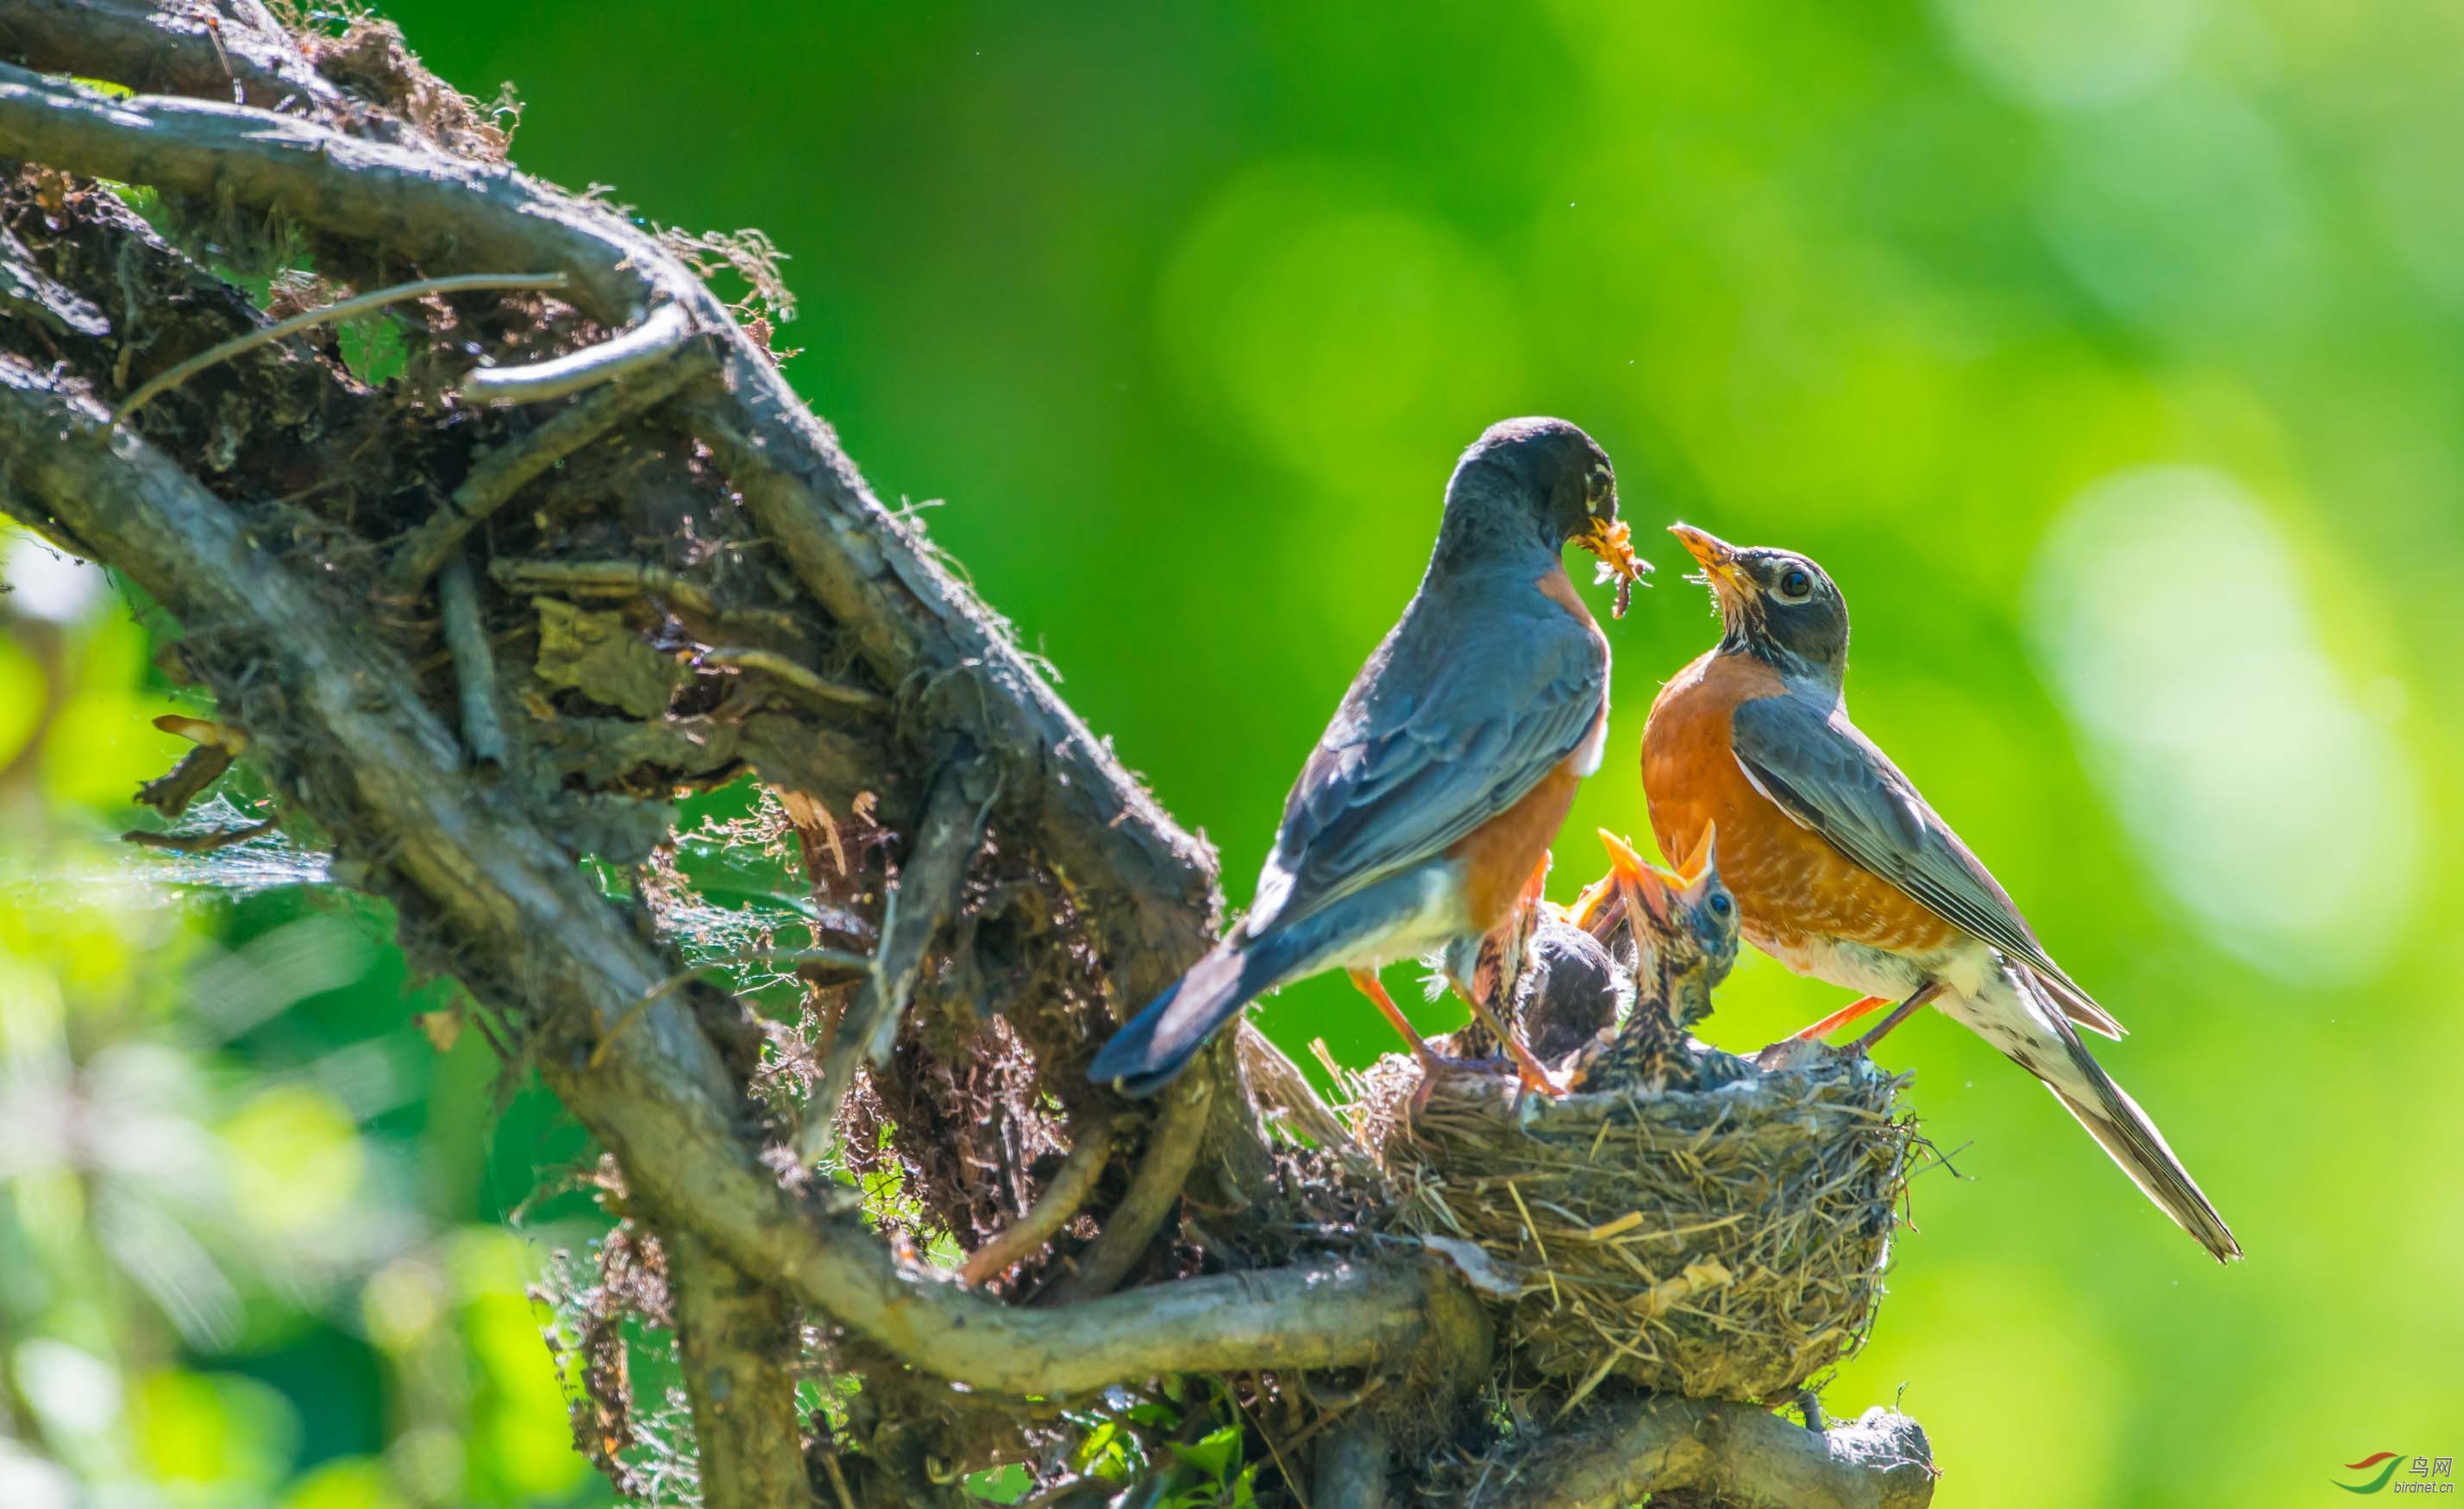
[2111,355]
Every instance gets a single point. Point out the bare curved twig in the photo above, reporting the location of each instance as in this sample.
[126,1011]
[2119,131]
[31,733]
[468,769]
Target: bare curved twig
[501,473]
[636,350]
[1061,1201]
[926,897]
[629,577]
[802,678]
[164,382]
[1172,1142]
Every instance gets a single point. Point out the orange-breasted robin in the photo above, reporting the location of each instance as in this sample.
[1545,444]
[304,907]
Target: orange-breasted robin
[1841,871]
[1423,820]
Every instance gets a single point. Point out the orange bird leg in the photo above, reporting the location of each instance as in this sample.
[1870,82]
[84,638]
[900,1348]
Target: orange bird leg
[1899,1014]
[1533,1076]
[1845,1016]
[1526,1067]
[1366,982]
[1514,933]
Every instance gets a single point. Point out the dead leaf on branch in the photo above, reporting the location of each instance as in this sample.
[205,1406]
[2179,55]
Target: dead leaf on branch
[598,656]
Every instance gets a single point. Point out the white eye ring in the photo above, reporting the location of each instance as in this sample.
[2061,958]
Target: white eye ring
[1795,584]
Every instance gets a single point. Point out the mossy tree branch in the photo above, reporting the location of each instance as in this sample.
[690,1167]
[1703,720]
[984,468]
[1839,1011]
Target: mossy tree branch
[1695,1451]
[537,938]
[275,599]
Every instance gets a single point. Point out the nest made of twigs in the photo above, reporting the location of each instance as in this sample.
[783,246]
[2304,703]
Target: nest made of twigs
[1721,1243]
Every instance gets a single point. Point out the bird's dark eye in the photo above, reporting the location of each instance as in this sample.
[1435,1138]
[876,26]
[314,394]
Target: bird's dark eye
[1794,585]
[1597,487]
[1720,904]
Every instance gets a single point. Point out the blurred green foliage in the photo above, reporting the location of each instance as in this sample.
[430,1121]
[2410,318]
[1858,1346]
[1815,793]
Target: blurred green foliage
[252,1240]
[2108,354]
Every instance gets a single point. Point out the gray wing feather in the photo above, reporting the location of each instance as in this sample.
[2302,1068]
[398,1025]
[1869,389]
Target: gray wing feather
[1828,776]
[1425,750]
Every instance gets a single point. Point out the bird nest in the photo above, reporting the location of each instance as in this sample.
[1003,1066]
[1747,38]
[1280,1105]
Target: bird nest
[1721,1243]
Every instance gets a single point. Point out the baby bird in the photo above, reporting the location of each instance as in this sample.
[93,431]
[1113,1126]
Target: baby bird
[1571,989]
[1685,930]
[1558,982]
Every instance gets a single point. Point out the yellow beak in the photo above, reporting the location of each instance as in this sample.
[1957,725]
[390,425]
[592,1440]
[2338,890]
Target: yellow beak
[1705,855]
[1716,555]
[1646,890]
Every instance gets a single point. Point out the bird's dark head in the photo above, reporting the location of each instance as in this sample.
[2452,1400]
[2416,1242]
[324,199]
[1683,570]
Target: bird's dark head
[1774,604]
[1571,989]
[1537,485]
[1685,925]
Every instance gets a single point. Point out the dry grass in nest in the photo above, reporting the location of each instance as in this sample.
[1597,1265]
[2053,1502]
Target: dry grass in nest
[1727,1243]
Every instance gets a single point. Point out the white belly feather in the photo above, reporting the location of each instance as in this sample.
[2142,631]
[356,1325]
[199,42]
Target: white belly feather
[1962,966]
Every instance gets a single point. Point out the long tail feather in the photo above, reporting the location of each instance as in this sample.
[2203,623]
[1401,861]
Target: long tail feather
[2125,1132]
[1378,923]
[1154,1047]
[2109,1114]
[2077,1006]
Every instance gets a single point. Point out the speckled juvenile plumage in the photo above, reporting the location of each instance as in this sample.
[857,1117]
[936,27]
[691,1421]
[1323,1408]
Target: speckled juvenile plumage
[1684,932]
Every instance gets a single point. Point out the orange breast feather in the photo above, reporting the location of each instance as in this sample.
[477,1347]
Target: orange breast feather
[1501,855]
[1791,887]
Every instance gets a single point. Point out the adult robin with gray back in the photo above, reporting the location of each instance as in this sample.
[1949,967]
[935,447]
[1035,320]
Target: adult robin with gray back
[1423,820]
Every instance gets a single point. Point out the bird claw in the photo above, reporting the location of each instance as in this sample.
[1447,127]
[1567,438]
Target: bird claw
[1529,1076]
[1796,1052]
[1433,1064]
[1537,1082]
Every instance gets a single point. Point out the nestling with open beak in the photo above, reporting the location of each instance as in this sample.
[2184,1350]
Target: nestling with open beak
[1423,820]
[1841,871]
[1685,931]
